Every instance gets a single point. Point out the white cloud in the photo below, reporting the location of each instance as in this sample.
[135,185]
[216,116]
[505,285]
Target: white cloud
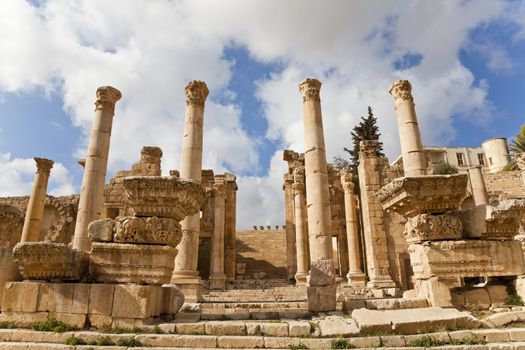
[151,49]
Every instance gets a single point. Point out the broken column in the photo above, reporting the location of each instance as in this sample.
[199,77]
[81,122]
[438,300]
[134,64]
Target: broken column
[301,234]
[185,275]
[217,276]
[91,202]
[37,201]
[477,184]
[355,275]
[321,291]
[414,162]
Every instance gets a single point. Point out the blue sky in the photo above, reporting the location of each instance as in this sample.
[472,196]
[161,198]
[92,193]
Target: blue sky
[464,59]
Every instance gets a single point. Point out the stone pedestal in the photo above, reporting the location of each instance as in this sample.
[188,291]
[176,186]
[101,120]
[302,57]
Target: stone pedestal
[414,162]
[355,275]
[318,199]
[91,203]
[478,187]
[217,276]
[301,234]
[37,201]
[185,272]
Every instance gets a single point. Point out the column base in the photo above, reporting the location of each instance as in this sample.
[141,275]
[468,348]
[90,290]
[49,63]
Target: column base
[300,278]
[381,282]
[356,279]
[217,282]
[321,298]
[190,284]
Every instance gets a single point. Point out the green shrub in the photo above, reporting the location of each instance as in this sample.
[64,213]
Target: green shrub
[157,330]
[341,343]
[121,330]
[7,325]
[51,325]
[512,297]
[467,341]
[102,341]
[75,341]
[298,346]
[129,342]
[443,168]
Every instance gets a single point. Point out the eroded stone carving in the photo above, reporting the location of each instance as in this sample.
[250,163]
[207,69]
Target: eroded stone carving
[152,230]
[196,92]
[427,227]
[310,89]
[322,272]
[11,221]
[107,96]
[402,91]
[369,148]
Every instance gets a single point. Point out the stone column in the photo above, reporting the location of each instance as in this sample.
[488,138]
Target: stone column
[414,162]
[291,258]
[230,227]
[355,275]
[217,276]
[520,162]
[477,184]
[37,201]
[321,291]
[91,202]
[186,276]
[301,235]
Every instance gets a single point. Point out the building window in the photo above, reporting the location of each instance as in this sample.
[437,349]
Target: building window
[459,157]
[481,159]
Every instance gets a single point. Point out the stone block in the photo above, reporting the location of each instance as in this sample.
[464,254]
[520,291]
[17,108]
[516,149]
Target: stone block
[236,342]
[337,326]
[352,304]
[20,297]
[390,341]
[312,343]
[299,328]
[517,335]
[274,329]
[365,342]
[23,319]
[492,335]
[412,303]
[498,294]
[503,318]
[321,272]
[101,230]
[281,342]
[173,299]
[101,299]
[225,328]
[382,304]
[477,299]
[136,301]
[75,321]
[178,341]
[190,328]
[370,321]
[72,298]
[100,321]
[321,298]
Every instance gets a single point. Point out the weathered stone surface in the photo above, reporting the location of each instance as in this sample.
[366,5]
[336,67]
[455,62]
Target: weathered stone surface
[498,294]
[11,221]
[136,301]
[101,230]
[426,227]
[299,328]
[472,258]
[321,299]
[163,197]
[321,272]
[176,341]
[71,298]
[152,230]
[225,328]
[476,299]
[173,298]
[23,319]
[131,263]
[100,321]
[371,321]
[190,328]
[337,326]
[233,342]
[20,297]
[50,261]
[101,299]
[504,318]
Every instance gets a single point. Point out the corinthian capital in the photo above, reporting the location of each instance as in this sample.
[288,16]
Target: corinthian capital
[219,190]
[298,188]
[402,91]
[309,89]
[520,160]
[107,96]
[347,180]
[196,93]
[43,165]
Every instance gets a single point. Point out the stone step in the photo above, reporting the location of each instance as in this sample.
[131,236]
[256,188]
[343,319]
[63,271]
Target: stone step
[254,305]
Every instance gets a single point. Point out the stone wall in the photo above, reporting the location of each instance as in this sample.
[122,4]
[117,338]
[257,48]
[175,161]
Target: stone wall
[263,251]
[504,184]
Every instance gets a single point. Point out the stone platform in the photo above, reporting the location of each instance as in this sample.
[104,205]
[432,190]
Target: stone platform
[79,304]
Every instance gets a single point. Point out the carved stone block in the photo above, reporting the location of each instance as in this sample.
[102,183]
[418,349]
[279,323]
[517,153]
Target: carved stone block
[101,230]
[50,261]
[11,222]
[321,298]
[427,227]
[151,230]
[322,272]
[132,263]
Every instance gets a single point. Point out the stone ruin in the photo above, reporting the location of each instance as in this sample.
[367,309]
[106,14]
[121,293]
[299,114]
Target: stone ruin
[145,248]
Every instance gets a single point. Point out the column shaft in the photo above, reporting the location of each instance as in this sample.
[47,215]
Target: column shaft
[301,235]
[414,163]
[37,202]
[217,276]
[91,202]
[477,183]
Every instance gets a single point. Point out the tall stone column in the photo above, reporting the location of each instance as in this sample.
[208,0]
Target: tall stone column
[355,275]
[291,258]
[217,276]
[186,276]
[414,162]
[301,235]
[477,183]
[37,201]
[91,202]
[321,291]
[230,227]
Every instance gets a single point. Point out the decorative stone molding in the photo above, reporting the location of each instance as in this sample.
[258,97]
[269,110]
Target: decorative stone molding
[310,89]
[503,221]
[11,221]
[426,227]
[196,92]
[402,91]
[322,272]
[369,148]
[437,194]
[107,96]
[131,263]
[64,220]
[50,261]
[148,152]
[164,197]
[43,165]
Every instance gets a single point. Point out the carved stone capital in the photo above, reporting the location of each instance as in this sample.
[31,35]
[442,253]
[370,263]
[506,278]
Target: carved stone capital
[369,148]
[196,92]
[347,180]
[43,165]
[154,152]
[298,188]
[426,227]
[219,190]
[107,96]
[402,91]
[520,160]
[298,174]
[310,89]
[11,221]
